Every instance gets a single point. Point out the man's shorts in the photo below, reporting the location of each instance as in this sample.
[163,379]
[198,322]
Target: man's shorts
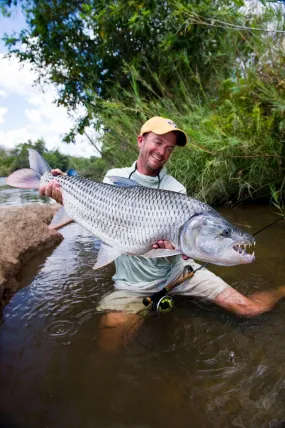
[204,284]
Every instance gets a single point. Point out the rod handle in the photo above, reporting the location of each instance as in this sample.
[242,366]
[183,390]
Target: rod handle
[147,301]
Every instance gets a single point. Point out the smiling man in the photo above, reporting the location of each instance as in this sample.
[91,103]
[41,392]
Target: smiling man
[139,276]
[155,149]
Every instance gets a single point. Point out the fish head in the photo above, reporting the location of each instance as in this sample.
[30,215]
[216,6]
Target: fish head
[211,238]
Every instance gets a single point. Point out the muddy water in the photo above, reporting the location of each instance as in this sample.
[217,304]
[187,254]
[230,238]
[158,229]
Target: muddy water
[194,367]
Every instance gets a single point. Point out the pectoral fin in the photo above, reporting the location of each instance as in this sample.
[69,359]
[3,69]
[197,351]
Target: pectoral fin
[161,252]
[122,181]
[106,255]
[60,219]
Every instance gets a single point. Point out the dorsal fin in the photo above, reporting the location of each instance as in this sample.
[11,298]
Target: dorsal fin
[37,162]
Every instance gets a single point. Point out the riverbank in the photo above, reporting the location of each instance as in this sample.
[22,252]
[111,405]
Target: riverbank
[24,233]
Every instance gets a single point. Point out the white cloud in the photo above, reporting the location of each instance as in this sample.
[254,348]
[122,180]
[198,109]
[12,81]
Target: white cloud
[13,137]
[43,117]
[34,116]
[3,111]
[16,136]
[3,93]
[15,77]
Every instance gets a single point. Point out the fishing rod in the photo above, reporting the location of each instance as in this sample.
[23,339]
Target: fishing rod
[162,302]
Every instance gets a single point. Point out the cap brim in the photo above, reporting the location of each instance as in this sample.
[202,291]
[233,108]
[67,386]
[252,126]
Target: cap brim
[181,136]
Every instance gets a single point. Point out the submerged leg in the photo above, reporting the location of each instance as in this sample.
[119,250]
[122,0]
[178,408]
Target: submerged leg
[118,329]
[123,315]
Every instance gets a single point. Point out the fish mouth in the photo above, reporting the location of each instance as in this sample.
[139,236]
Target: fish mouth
[243,249]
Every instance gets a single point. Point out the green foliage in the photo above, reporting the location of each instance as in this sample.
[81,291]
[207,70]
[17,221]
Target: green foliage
[6,162]
[83,46]
[57,160]
[94,168]
[19,157]
[236,139]
[217,72]
[278,198]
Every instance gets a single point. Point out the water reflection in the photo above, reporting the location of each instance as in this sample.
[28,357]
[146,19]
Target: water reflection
[177,371]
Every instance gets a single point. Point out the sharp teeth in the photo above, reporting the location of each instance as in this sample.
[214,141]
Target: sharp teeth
[253,254]
[243,252]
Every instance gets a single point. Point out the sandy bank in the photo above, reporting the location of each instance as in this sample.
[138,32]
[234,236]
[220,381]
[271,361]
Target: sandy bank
[23,234]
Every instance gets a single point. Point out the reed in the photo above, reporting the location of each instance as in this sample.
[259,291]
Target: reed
[236,140]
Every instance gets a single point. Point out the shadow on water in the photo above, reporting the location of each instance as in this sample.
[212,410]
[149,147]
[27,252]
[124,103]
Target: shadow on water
[33,267]
[196,366]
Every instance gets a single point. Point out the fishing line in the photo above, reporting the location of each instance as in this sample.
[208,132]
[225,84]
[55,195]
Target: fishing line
[270,224]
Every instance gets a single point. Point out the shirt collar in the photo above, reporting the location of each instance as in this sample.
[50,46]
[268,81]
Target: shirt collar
[142,178]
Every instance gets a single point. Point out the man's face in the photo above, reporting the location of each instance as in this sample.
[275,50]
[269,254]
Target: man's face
[155,150]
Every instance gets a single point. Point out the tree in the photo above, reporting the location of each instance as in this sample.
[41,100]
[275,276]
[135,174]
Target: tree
[57,160]
[21,156]
[87,47]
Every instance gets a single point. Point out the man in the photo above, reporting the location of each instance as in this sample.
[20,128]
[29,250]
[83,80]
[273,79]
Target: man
[136,276]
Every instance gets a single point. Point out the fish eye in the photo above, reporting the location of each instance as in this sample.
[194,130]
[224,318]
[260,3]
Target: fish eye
[226,232]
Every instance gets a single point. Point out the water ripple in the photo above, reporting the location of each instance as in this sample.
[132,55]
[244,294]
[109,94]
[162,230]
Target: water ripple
[59,328]
[196,362]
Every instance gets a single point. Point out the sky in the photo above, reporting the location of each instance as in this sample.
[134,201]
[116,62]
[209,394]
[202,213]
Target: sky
[27,110]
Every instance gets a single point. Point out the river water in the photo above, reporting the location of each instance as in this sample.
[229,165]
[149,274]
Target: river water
[194,367]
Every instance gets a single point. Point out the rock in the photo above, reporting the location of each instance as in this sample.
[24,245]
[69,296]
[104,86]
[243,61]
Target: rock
[24,233]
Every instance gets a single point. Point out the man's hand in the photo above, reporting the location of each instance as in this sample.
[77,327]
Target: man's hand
[53,189]
[167,246]
[163,244]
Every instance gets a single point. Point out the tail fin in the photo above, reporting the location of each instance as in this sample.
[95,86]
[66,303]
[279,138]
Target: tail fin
[29,178]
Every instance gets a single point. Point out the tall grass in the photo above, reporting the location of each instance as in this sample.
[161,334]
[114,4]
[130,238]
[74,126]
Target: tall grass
[236,140]
[231,104]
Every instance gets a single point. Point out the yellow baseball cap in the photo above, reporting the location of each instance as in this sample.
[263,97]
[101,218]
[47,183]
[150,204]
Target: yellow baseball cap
[161,125]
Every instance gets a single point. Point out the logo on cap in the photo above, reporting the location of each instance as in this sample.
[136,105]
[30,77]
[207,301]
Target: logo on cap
[170,122]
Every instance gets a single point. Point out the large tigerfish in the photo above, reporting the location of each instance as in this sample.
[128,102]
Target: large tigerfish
[129,219]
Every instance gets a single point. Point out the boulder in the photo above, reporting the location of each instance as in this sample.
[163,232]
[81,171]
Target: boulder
[24,233]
